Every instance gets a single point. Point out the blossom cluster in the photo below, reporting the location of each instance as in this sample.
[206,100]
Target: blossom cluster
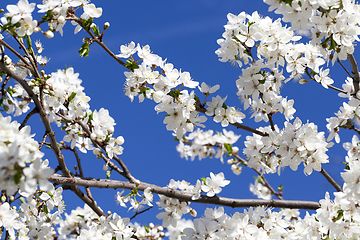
[260,190]
[174,208]
[333,24]
[131,197]
[348,115]
[21,165]
[163,86]
[64,97]
[204,144]
[36,217]
[84,223]
[19,18]
[295,144]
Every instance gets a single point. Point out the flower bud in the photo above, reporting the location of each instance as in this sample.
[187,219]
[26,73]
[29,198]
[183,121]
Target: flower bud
[106,25]
[3,198]
[36,29]
[61,20]
[193,212]
[236,169]
[120,140]
[93,136]
[235,150]
[56,11]
[160,228]
[96,151]
[303,81]
[230,161]
[49,34]
[151,225]
[157,96]
[105,167]
[92,25]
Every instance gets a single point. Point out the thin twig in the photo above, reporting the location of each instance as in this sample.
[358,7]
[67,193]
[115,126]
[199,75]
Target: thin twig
[43,141]
[77,20]
[354,71]
[201,109]
[265,182]
[142,211]
[182,196]
[126,173]
[338,60]
[3,93]
[15,52]
[329,85]
[331,180]
[88,192]
[28,116]
[271,121]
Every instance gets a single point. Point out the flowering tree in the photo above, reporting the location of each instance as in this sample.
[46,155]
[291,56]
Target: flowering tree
[268,53]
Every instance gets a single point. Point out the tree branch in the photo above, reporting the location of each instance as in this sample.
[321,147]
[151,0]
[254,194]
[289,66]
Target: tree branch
[182,196]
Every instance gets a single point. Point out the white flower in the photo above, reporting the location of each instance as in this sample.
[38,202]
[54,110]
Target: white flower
[21,10]
[127,50]
[92,11]
[213,184]
[206,89]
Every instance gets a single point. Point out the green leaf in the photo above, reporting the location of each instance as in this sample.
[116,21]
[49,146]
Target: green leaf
[333,45]
[91,117]
[131,65]
[45,209]
[228,148]
[289,2]
[339,216]
[96,31]
[143,91]
[47,16]
[73,94]
[196,98]
[146,228]
[17,175]
[108,174]
[174,93]
[29,44]
[203,179]
[86,23]
[224,106]
[84,50]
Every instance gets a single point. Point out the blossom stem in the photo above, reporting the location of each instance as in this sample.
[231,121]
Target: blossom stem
[237,125]
[77,20]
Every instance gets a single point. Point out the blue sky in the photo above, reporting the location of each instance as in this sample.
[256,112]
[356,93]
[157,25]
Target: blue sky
[184,32]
